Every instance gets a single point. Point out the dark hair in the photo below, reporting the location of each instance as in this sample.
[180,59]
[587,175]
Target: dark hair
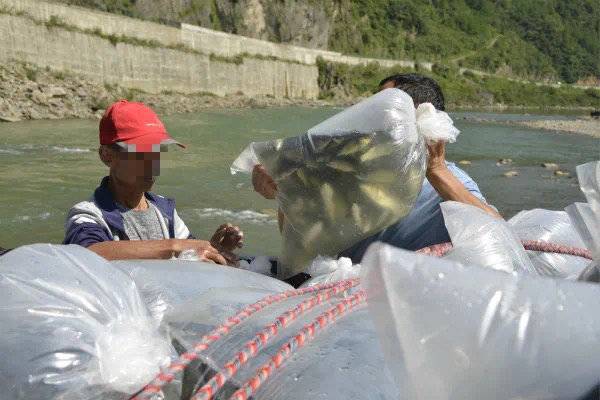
[421,88]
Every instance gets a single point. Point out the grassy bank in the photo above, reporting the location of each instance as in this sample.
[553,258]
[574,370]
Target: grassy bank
[465,90]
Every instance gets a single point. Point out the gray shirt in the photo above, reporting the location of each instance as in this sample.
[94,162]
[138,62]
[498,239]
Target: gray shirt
[143,224]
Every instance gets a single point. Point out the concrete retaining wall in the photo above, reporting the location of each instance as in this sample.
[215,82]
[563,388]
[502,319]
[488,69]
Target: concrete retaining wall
[177,59]
[152,69]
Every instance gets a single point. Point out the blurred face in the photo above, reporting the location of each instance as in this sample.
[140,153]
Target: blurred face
[136,170]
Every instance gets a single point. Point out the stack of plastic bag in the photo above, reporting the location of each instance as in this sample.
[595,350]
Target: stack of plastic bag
[350,176]
[586,217]
[551,227]
[72,326]
[480,239]
[193,298]
[451,331]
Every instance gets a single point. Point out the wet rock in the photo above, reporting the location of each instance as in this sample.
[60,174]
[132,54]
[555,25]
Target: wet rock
[464,162]
[510,174]
[504,161]
[32,113]
[561,173]
[81,92]
[55,91]
[39,98]
[9,118]
[550,165]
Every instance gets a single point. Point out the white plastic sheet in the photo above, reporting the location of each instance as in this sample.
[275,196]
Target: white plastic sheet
[480,239]
[72,326]
[586,217]
[350,176]
[326,270]
[167,285]
[551,227]
[464,332]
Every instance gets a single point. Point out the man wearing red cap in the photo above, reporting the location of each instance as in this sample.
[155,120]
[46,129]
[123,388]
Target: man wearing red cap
[123,220]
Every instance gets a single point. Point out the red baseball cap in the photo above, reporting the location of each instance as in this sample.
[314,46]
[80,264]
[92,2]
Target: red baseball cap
[135,127]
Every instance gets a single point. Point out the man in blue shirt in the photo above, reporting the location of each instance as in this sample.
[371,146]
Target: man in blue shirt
[424,225]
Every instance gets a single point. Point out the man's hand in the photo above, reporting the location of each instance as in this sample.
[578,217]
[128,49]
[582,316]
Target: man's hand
[446,184]
[263,183]
[156,249]
[437,157]
[205,250]
[228,237]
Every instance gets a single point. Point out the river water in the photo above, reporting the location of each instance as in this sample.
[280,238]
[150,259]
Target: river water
[47,166]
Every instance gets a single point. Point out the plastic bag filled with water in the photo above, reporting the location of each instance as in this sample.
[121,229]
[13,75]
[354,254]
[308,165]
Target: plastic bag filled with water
[350,176]
[480,239]
[193,298]
[550,227]
[72,326]
[586,216]
[451,331]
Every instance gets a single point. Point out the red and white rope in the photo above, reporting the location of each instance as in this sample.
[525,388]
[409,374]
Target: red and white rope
[169,373]
[253,346]
[307,334]
[439,250]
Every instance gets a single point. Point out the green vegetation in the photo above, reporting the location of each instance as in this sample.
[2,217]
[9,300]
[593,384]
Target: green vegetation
[466,90]
[540,39]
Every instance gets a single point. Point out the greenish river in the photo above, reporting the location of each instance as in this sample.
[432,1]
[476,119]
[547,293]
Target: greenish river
[47,166]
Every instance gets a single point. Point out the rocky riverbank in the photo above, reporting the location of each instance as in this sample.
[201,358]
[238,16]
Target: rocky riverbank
[28,92]
[581,125]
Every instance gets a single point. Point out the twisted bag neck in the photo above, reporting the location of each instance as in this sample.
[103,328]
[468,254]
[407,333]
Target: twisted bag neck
[435,125]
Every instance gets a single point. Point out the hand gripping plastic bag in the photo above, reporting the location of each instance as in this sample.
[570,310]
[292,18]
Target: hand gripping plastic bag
[72,326]
[551,227]
[586,217]
[480,239]
[464,332]
[350,176]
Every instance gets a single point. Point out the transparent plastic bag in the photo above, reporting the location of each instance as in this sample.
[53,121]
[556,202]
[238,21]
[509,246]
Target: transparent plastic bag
[72,326]
[327,270]
[190,298]
[202,313]
[350,176]
[343,362]
[480,239]
[451,331]
[551,227]
[166,285]
[586,217]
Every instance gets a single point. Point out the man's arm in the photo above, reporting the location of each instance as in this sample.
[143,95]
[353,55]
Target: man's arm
[155,249]
[447,185]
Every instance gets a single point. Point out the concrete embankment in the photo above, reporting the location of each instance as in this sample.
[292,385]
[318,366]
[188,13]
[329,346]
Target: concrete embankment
[29,92]
[141,55]
[62,61]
